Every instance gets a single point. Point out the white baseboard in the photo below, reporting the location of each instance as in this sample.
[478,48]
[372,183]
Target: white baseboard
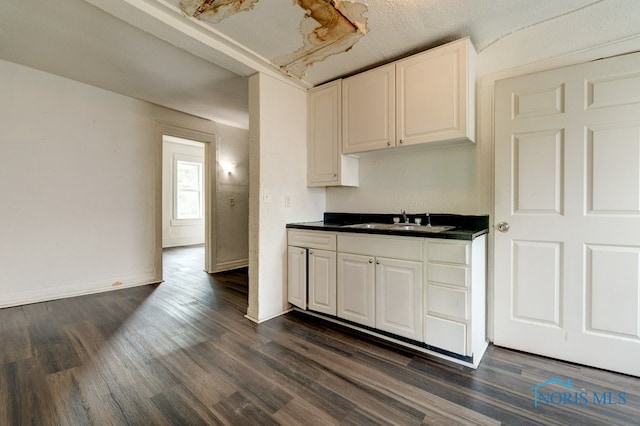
[229,265]
[79,289]
[261,320]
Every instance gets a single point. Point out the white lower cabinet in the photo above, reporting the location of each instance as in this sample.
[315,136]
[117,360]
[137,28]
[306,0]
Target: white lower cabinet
[399,297]
[428,290]
[356,288]
[311,270]
[382,293]
[322,281]
[380,283]
[454,299]
[297,276]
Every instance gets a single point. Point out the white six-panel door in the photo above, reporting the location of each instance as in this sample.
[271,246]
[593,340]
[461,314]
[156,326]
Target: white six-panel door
[567,213]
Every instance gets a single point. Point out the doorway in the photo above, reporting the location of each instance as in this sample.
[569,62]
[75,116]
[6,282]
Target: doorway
[183,188]
[567,257]
[183,208]
[186,207]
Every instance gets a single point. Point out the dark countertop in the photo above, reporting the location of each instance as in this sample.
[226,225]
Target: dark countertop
[466,227]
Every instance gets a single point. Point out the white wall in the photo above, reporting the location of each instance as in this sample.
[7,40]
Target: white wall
[186,232]
[442,180]
[79,174]
[278,120]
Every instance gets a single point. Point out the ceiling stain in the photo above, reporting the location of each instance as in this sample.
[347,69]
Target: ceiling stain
[329,28]
[215,11]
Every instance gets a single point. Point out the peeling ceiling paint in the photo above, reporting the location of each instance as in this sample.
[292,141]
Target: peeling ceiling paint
[215,11]
[329,28]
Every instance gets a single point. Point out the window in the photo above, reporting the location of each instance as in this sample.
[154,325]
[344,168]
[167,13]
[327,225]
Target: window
[189,195]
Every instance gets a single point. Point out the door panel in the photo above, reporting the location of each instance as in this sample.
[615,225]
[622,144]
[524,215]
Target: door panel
[538,171]
[297,276]
[368,110]
[356,287]
[620,318]
[399,297]
[322,281]
[536,282]
[613,161]
[567,170]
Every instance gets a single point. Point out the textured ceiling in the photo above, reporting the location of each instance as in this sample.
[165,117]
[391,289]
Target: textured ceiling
[162,52]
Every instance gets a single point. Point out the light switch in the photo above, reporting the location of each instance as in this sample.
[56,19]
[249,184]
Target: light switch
[232,201]
[287,201]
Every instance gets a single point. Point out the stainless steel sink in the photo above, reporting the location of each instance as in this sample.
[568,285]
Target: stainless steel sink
[400,227]
[370,226]
[420,228]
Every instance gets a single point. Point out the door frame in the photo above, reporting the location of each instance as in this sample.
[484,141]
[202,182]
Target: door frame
[210,141]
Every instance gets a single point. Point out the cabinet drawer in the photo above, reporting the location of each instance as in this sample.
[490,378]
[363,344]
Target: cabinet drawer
[312,239]
[445,334]
[447,252]
[407,248]
[447,302]
[448,274]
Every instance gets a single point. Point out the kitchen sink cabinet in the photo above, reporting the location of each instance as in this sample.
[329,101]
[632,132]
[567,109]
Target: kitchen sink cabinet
[427,98]
[380,281]
[430,291]
[382,293]
[326,166]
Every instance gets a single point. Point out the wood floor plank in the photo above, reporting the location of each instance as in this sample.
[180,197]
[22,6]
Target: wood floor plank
[208,387]
[260,389]
[28,402]
[237,410]
[180,407]
[14,335]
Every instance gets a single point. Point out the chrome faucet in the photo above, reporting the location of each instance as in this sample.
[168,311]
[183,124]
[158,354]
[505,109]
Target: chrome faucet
[404,216]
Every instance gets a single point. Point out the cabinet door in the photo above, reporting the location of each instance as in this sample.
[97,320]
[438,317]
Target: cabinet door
[322,281]
[433,95]
[368,110]
[356,288]
[399,297]
[323,135]
[297,276]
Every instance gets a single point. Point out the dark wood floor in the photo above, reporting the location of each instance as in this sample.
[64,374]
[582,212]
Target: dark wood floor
[182,353]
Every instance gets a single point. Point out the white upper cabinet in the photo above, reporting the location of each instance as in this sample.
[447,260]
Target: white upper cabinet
[435,95]
[428,98]
[368,110]
[326,166]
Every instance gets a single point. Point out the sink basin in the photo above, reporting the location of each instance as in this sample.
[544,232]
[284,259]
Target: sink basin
[371,226]
[400,227]
[419,228]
